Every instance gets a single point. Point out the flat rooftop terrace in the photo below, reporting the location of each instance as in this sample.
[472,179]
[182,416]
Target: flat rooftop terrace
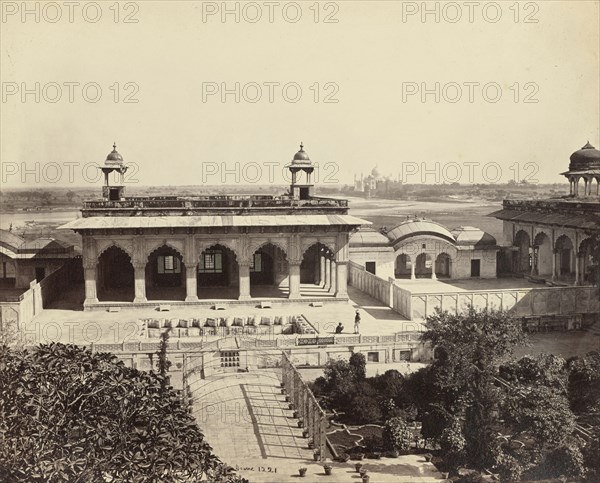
[429,286]
[102,327]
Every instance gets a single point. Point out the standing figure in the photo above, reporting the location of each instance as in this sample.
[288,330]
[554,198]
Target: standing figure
[357,322]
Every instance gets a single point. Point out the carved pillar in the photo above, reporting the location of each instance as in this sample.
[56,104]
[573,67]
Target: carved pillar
[554,267]
[433,275]
[577,262]
[91,295]
[327,274]
[341,280]
[294,277]
[412,270]
[139,283]
[333,285]
[191,282]
[244,270]
[322,262]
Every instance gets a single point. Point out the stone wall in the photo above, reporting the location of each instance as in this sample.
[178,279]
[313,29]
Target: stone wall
[384,259]
[520,302]
[370,284]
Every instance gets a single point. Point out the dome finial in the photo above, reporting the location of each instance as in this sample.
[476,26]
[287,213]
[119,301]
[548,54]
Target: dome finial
[301,146]
[114,145]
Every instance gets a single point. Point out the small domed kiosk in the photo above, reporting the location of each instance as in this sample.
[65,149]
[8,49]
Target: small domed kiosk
[584,164]
[114,162]
[301,162]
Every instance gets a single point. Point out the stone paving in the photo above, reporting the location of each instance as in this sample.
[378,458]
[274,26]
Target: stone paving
[247,421]
[63,322]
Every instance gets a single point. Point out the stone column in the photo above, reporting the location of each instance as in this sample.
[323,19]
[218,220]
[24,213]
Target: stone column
[571,189]
[322,262]
[327,285]
[191,283]
[294,277]
[91,295]
[333,285]
[533,261]
[554,255]
[433,275]
[140,283]
[341,279]
[317,269]
[244,269]
[577,262]
[412,271]
[576,183]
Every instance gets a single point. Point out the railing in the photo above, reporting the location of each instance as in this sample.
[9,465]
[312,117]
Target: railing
[568,204]
[304,401]
[237,201]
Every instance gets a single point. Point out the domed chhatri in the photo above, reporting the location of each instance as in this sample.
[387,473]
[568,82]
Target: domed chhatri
[375,172]
[301,157]
[114,157]
[588,157]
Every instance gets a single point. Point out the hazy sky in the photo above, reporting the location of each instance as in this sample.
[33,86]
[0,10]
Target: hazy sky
[374,58]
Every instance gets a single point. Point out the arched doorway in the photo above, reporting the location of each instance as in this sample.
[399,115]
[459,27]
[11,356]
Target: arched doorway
[115,276]
[315,271]
[566,257]
[218,274]
[443,266]
[269,272]
[8,272]
[586,268]
[403,267]
[165,275]
[424,266]
[523,256]
[542,253]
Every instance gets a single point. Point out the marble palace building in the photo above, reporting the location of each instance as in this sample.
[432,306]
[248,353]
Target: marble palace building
[231,247]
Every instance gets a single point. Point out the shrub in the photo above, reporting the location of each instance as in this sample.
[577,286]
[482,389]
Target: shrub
[364,409]
[397,435]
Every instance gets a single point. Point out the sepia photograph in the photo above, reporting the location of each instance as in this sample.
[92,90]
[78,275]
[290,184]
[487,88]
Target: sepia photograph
[351,241]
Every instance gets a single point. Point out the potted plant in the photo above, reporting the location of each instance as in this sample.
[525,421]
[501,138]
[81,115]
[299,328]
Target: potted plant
[300,423]
[283,390]
[428,457]
[344,457]
[316,454]
[287,398]
[305,433]
[302,472]
[282,385]
[366,478]
[295,414]
[290,406]
[327,469]
[393,453]
[358,466]
[311,444]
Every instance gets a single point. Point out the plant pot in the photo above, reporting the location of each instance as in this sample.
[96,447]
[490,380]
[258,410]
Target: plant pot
[282,390]
[287,399]
[428,458]
[316,456]
[366,478]
[327,469]
[305,433]
[358,466]
[300,424]
[295,414]
[302,472]
[290,406]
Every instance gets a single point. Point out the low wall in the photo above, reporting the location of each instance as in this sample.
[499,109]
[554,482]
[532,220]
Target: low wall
[21,312]
[402,301]
[370,284]
[520,302]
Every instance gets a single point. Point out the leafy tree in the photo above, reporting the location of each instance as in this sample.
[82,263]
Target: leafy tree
[358,364]
[584,383]
[67,414]
[545,369]
[397,435]
[539,412]
[472,345]
[566,460]
[70,195]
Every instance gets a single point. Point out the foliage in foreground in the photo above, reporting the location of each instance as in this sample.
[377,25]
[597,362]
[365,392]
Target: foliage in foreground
[67,414]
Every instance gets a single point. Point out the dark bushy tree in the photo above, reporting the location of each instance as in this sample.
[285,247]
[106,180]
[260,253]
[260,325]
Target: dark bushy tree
[397,435]
[584,384]
[358,364]
[67,414]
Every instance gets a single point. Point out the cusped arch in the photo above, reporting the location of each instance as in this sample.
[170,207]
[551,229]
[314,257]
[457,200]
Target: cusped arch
[564,241]
[164,244]
[232,245]
[259,244]
[522,235]
[539,238]
[309,245]
[583,244]
[106,246]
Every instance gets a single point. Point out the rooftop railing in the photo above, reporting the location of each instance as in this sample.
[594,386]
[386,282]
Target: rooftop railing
[216,202]
[589,205]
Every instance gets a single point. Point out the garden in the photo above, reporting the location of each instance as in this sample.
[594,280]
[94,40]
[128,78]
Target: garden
[476,412]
